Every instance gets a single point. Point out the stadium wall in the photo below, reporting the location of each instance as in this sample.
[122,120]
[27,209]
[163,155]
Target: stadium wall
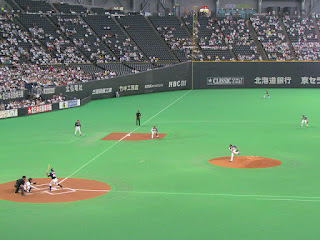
[206,75]
[218,75]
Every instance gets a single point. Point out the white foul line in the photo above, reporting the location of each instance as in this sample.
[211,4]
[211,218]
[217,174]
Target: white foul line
[123,137]
[256,197]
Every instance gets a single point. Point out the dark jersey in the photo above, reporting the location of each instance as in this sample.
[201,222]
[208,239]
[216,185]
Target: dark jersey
[20,182]
[77,124]
[138,115]
[52,175]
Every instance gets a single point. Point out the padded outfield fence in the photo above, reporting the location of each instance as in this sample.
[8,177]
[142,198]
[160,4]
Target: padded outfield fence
[196,75]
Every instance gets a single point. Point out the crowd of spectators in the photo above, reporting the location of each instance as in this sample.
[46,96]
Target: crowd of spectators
[17,45]
[272,37]
[303,37]
[239,39]
[31,102]
[16,77]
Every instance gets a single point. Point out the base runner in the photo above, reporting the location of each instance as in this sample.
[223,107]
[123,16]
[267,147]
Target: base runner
[233,150]
[54,179]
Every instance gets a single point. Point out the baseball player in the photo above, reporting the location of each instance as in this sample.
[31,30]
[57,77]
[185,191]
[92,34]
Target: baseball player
[77,126]
[18,184]
[154,130]
[27,186]
[233,150]
[138,116]
[304,120]
[266,94]
[54,179]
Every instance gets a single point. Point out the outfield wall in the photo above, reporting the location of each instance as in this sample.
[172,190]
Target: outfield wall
[218,75]
[177,77]
[206,75]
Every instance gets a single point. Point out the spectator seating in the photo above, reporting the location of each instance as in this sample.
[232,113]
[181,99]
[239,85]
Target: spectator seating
[303,37]
[272,37]
[114,37]
[238,37]
[146,38]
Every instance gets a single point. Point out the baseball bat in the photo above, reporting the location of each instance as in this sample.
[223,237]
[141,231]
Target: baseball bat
[48,167]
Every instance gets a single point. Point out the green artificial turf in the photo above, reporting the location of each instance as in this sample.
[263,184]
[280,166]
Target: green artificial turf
[166,189]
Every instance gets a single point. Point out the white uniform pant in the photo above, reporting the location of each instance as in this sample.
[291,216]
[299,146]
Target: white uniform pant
[77,129]
[266,95]
[54,182]
[232,154]
[304,121]
[153,133]
[27,186]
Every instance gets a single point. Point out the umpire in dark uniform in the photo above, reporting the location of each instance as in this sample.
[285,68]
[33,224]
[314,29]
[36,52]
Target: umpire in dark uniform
[138,116]
[18,184]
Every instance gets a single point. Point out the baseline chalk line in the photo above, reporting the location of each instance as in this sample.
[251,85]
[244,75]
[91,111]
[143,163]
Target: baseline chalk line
[86,164]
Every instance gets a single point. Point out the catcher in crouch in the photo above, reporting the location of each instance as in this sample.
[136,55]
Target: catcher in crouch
[54,179]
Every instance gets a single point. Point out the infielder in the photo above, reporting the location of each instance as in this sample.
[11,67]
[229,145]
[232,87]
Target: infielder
[266,94]
[154,130]
[27,186]
[233,150]
[77,126]
[54,179]
[304,120]
[18,184]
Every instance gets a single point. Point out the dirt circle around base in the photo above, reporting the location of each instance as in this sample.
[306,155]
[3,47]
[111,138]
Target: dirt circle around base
[74,189]
[132,136]
[245,162]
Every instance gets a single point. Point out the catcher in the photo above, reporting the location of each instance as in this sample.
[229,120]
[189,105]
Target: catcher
[27,186]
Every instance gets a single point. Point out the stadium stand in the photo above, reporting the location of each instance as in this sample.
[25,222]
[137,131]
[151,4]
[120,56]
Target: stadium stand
[35,6]
[62,49]
[66,8]
[175,34]
[272,37]
[74,27]
[210,38]
[17,46]
[146,38]
[114,37]
[303,37]
[238,37]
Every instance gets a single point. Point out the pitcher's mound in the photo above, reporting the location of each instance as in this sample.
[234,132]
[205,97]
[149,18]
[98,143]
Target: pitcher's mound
[132,136]
[245,162]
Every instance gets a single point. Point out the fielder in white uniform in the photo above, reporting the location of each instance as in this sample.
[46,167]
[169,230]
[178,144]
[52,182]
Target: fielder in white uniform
[54,179]
[154,130]
[233,150]
[27,186]
[266,94]
[304,120]
[77,126]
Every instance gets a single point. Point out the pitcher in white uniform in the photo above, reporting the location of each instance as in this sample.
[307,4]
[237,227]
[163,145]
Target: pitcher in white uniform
[234,150]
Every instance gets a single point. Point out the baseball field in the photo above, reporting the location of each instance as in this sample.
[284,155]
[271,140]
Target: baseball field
[166,188]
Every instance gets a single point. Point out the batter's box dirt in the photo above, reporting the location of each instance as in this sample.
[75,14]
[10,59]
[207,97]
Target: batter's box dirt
[74,189]
[132,136]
